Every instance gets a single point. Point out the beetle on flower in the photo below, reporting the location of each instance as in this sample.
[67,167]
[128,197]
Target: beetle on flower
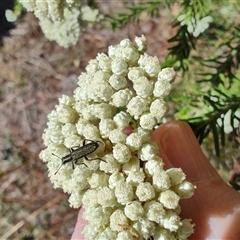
[121,90]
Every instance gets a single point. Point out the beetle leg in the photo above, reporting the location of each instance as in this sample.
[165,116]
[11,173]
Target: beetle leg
[72,164]
[93,159]
[81,163]
[72,148]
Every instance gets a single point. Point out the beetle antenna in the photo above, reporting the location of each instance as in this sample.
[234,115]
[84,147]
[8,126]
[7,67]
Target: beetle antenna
[60,165]
[56,155]
[58,169]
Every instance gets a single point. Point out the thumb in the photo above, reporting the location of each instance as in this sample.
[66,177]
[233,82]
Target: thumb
[177,141]
[214,207]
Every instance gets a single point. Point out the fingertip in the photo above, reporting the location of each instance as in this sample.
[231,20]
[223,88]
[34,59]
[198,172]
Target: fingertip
[81,223]
[178,143]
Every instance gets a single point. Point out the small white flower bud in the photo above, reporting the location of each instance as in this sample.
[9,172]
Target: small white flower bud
[130,55]
[162,88]
[118,219]
[55,12]
[145,192]
[161,181]
[145,228]
[143,87]
[81,174]
[150,64]
[132,165]
[167,74]
[111,165]
[137,106]
[100,77]
[66,114]
[54,137]
[75,199]
[66,100]
[122,119]
[119,67]
[146,134]
[148,121]
[169,199]
[45,154]
[117,136]
[135,73]
[186,229]
[114,51]
[124,235]
[90,198]
[134,210]
[136,177]
[98,214]
[106,197]
[98,179]
[124,192]
[80,105]
[91,231]
[176,175]
[52,117]
[161,233]
[88,113]
[72,141]
[153,166]
[106,126]
[92,66]
[134,141]
[147,152]
[103,110]
[101,90]
[117,81]
[154,210]
[107,234]
[115,178]
[80,125]
[104,62]
[92,165]
[126,43]
[141,43]
[121,98]
[121,152]
[184,189]
[158,108]
[90,131]
[81,94]
[170,220]
[69,129]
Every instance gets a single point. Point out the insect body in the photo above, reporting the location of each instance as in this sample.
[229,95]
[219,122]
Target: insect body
[80,152]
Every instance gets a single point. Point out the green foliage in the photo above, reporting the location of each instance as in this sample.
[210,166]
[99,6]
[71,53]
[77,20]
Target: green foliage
[181,50]
[18,8]
[214,104]
[214,95]
[134,13]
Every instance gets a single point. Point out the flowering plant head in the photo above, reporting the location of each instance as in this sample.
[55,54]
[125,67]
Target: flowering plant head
[62,21]
[122,185]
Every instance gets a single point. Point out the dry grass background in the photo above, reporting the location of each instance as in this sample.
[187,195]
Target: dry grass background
[34,73]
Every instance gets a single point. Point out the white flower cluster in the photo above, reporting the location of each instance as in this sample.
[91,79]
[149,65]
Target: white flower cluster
[194,25]
[60,20]
[122,185]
